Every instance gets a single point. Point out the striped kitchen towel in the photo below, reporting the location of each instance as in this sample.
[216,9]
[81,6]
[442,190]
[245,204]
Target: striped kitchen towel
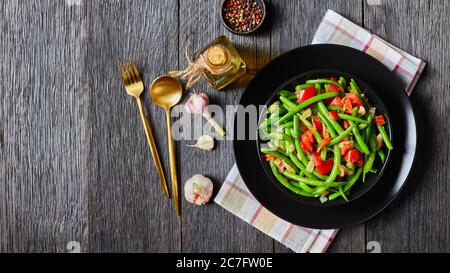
[234,195]
[237,199]
[336,29]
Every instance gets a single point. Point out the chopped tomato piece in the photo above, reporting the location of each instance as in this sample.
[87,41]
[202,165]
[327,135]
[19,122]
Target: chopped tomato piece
[334,79]
[379,120]
[307,141]
[326,167]
[307,147]
[317,159]
[348,107]
[307,137]
[354,156]
[355,100]
[346,124]
[337,101]
[318,125]
[306,94]
[270,157]
[334,88]
[333,115]
[345,146]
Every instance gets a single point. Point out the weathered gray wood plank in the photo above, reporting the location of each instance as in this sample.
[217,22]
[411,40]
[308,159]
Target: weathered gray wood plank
[211,228]
[42,131]
[294,24]
[3,205]
[419,221]
[128,212]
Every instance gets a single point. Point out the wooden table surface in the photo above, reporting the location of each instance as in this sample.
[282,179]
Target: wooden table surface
[74,161]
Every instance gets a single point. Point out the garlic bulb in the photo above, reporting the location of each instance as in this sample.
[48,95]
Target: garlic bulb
[198,104]
[204,143]
[198,190]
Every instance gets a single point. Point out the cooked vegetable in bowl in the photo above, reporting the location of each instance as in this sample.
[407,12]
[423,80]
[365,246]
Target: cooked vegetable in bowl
[323,138]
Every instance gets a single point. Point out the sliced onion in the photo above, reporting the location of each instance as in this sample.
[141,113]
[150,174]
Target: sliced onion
[361,111]
[288,167]
[379,141]
[290,148]
[323,199]
[310,167]
[277,162]
[341,171]
[306,114]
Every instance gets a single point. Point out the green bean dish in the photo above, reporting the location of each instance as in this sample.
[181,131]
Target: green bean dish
[323,138]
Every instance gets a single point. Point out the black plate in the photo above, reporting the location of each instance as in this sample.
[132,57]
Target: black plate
[347,61]
[358,189]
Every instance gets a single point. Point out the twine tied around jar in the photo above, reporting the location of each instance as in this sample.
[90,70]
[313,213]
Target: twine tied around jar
[216,60]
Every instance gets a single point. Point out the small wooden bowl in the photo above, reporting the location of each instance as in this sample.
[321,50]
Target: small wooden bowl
[260,3]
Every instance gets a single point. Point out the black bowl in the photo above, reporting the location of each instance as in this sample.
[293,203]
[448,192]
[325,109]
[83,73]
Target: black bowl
[261,4]
[371,75]
[359,188]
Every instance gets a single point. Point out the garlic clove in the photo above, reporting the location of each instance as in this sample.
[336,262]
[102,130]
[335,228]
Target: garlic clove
[204,143]
[198,190]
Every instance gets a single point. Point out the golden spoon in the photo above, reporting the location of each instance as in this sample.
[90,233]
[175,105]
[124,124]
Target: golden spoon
[166,92]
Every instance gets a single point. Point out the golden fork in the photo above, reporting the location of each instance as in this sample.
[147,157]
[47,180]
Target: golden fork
[134,87]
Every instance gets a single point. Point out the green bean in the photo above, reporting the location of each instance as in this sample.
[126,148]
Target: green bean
[368,133]
[359,139]
[296,137]
[286,93]
[328,124]
[352,118]
[285,106]
[272,118]
[286,183]
[287,136]
[354,87]
[334,108]
[334,171]
[302,86]
[292,97]
[382,156]
[358,147]
[302,186]
[334,196]
[301,167]
[311,182]
[323,109]
[287,102]
[289,124]
[323,153]
[306,103]
[370,160]
[353,179]
[343,194]
[362,126]
[342,81]
[323,81]
[338,139]
[318,88]
[386,139]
